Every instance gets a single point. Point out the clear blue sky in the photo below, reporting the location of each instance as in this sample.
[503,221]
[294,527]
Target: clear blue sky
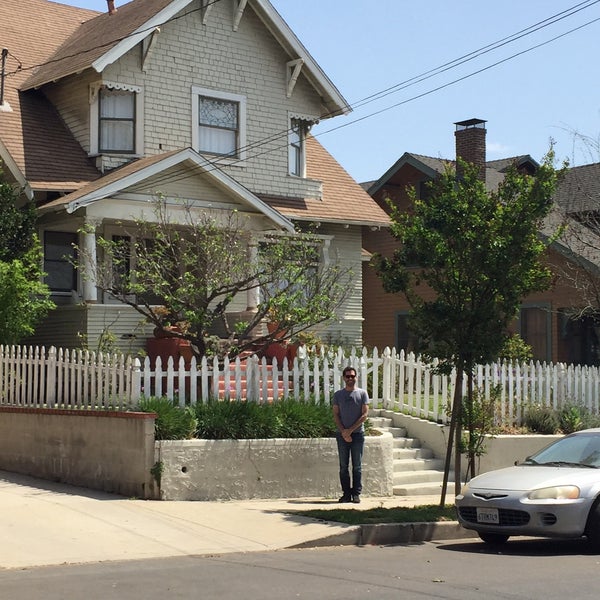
[365,47]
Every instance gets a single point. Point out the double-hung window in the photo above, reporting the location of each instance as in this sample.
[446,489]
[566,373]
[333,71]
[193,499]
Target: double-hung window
[117,120]
[219,123]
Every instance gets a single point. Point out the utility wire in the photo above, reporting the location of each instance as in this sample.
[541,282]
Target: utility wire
[275,137]
[219,162]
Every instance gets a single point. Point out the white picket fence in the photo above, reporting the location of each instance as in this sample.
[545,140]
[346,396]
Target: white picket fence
[57,378]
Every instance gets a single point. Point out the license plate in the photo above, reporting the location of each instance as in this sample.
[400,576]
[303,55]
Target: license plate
[488,515]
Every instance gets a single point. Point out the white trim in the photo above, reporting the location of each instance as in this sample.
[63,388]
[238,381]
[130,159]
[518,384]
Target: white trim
[144,30]
[12,166]
[220,178]
[287,38]
[312,119]
[198,91]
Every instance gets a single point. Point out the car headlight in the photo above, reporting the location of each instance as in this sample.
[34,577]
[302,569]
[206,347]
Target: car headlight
[558,492]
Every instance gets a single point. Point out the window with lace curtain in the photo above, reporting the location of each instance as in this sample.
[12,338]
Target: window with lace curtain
[116,120]
[219,123]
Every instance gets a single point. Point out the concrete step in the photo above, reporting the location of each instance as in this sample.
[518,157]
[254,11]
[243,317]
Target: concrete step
[420,476]
[405,442]
[418,464]
[424,489]
[415,452]
[380,422]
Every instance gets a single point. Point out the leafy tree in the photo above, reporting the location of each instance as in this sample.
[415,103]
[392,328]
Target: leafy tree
[24,298]
[187,270]
[480,253]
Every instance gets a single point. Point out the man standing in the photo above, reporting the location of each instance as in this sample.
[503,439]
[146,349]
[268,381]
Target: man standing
[350,410]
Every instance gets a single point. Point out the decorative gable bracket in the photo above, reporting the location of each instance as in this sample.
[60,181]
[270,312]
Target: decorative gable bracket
[147,45]
[238,11]
[205,6]
[293,72]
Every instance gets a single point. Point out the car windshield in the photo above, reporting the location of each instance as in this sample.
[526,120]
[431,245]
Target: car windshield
[579,450]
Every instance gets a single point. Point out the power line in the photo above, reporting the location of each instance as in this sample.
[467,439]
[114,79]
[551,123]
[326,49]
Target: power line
[283,134]
[275,137]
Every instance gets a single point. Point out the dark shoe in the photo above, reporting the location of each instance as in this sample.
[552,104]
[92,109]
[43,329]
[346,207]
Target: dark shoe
[345,498]
[356,499]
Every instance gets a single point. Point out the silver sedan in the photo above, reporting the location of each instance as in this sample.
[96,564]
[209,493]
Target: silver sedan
[553,493]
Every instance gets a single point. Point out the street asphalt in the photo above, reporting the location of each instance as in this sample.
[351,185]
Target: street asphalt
[46,523]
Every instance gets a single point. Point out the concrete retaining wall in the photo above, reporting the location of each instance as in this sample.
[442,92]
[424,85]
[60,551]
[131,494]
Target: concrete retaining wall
[115,452]
[501,451]
[107,451]
[281,468]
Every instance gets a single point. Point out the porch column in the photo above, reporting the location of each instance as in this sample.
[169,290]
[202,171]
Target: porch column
[88,243]
[253,295]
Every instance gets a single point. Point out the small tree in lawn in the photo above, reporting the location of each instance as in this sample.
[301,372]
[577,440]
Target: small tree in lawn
[480,253]
[24,298]
[187,269]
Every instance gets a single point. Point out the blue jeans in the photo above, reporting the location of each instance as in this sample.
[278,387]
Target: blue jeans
[354,450]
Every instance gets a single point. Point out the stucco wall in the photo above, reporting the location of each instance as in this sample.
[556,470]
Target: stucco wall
[108,451]
[281,468]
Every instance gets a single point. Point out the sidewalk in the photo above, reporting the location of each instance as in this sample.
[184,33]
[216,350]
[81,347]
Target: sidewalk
[45,523]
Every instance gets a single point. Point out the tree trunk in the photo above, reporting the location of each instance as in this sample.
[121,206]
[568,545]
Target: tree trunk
[454,436]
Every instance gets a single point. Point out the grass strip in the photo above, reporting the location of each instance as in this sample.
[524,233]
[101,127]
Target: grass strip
[402,514]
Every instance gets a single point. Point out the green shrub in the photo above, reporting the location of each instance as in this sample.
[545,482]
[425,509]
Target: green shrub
[219,419]
[574,417]
[172,422]
[570,418]
[541,419]
[516,349]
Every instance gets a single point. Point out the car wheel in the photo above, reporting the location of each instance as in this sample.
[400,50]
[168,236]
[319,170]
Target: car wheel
[494,538]
[592,530]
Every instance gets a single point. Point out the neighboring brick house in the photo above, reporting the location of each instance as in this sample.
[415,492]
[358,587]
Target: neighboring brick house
[545,318]
[207,101]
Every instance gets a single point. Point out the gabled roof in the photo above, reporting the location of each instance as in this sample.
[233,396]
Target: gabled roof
[343,201]
[102,40]
[132,174]
[32,30]
[432,167]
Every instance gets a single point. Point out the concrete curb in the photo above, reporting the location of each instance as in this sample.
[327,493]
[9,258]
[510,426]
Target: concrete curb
[392,533]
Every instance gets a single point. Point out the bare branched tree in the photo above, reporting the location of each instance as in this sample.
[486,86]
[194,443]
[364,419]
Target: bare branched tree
[189,269]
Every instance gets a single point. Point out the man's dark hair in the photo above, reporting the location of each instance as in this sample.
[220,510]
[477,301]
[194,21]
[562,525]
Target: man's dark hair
[348,369]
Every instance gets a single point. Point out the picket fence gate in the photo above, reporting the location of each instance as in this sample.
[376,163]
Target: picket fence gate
[75,379]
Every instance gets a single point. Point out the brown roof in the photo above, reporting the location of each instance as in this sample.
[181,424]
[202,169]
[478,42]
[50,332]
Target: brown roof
[343,200]
[92,39]
[31,30]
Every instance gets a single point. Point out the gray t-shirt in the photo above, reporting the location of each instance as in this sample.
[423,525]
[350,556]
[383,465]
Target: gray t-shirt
[351,404]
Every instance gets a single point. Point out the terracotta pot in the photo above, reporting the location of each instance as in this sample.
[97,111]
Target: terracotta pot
[272,328]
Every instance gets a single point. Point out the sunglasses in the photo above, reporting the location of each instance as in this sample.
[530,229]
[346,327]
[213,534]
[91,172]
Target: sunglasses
[350,376]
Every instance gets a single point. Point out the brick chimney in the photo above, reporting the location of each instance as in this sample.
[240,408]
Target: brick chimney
[470,144]
[111,7]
